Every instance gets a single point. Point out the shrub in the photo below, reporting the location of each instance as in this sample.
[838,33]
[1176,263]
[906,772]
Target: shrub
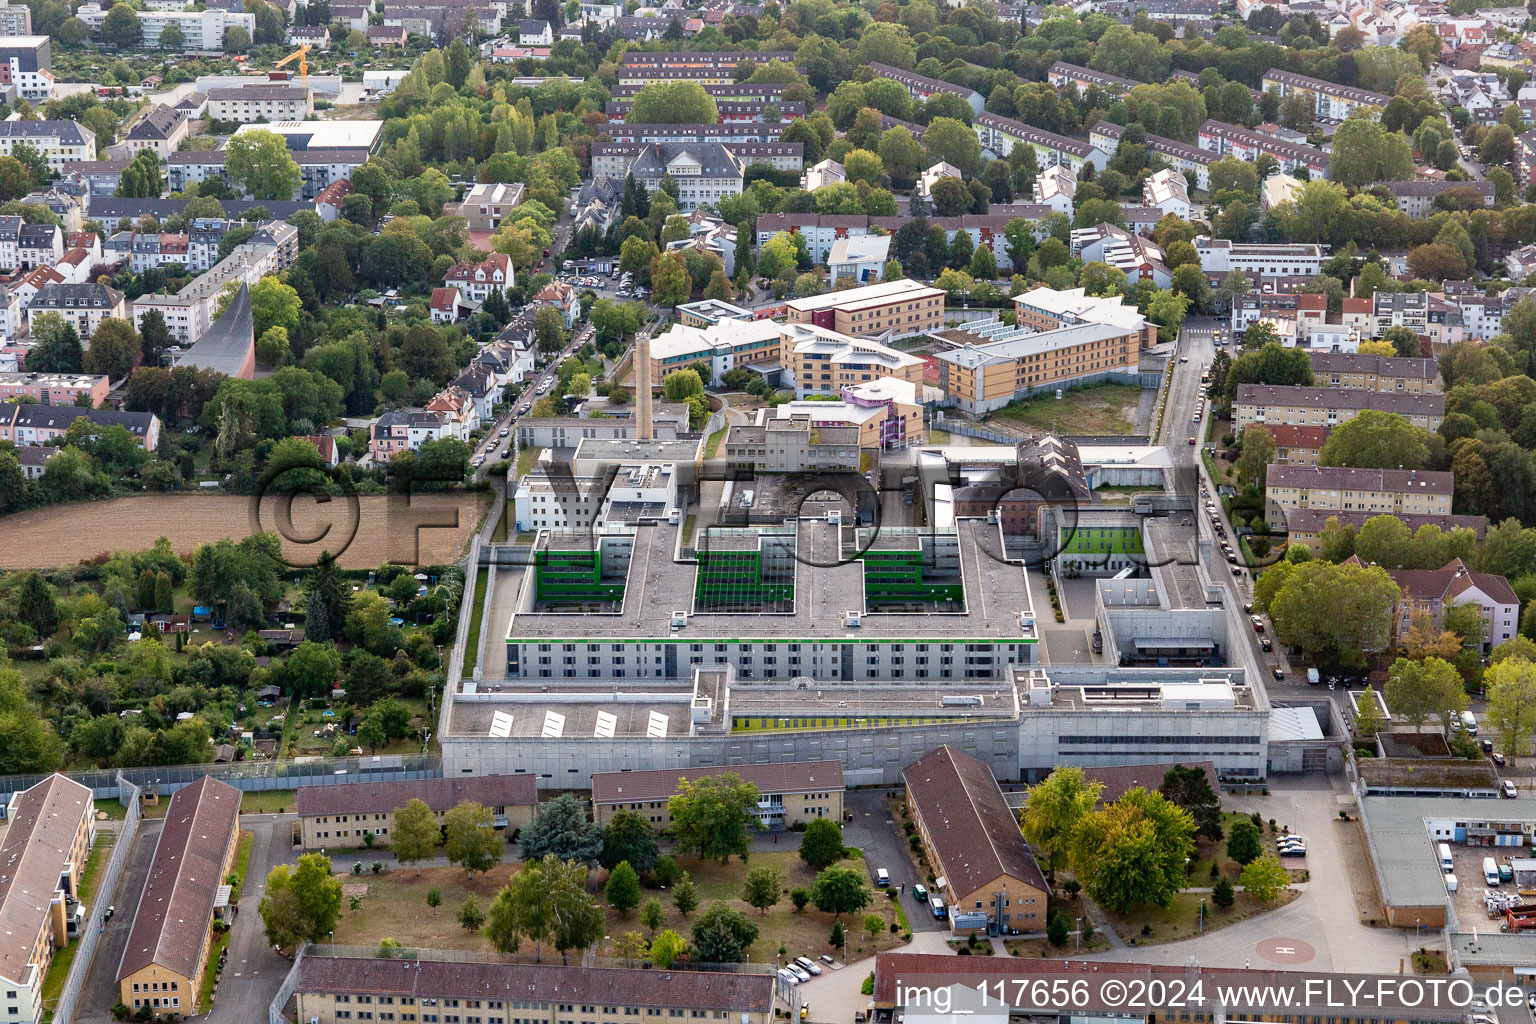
[434,897]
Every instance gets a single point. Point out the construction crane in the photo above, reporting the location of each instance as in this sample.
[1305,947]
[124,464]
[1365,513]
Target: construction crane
[302,57]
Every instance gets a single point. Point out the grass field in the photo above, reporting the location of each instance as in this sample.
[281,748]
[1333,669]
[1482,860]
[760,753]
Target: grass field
[268,801]
[395,906]
[472,638]
[242,863]
[1099,540]
[205,999]
[713,444]
[62,535]
[58,971]
[1102,409]
[95,863]
[526,459]
[1181,919]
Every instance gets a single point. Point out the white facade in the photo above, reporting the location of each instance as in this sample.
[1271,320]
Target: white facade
[1218,255]
[272,103]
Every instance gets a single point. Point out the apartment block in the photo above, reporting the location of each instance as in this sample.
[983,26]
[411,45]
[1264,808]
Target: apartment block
[1247,145]
[1305,526]
[1329,406]
[1433,592]
[1391,374]
[332,817]
[825,362]
[60,142]
[985,372]
[1329,100]
[275,102]
[1344,489]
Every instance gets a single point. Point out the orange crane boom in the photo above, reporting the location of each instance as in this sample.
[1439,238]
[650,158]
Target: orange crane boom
[302,56]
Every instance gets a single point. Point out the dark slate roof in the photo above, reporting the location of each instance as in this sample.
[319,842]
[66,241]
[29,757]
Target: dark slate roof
[109,207]
[227,344]
[84,296]
[67,131]
[158,123]
[59,417]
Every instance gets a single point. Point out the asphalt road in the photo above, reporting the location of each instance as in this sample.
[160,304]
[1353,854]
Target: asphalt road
[101,981]
[254,971]
[885,846]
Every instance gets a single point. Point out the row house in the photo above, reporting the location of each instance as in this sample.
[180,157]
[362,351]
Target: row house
[1243,144]
[731,131]
[1000,134]
[1346,489]
[1309,311]
[1393,374]
[1062,74]
[26,246]
[1191,161]
[141,251]
[1330,406]
[26,424]
[457,410]
[1329,100]
[1482,316]
[1426,314]
[921,87]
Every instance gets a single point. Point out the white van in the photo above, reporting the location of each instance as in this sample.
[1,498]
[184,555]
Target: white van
[1450,883]
[1469,723]
[882,878]
[1447,865]
[937,904]
[1490,871]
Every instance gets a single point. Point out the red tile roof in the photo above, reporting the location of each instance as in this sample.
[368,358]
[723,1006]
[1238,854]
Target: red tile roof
[438,794]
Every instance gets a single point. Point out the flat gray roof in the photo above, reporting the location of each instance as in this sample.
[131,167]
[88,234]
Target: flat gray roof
[1406,864]
[996,592]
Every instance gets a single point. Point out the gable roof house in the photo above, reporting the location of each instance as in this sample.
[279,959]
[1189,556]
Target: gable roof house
[1432,591]
[985,869]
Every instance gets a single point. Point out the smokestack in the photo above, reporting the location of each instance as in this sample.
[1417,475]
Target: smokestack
[645,429]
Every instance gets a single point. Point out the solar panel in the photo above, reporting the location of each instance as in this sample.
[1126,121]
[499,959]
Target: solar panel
[501,724]
[554,725]
[607,721]
[656,728]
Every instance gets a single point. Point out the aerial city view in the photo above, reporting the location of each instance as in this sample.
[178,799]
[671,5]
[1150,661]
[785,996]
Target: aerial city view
[768,512]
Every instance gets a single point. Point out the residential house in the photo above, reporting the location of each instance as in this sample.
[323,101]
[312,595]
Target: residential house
[1056,188]
[563,298]
[83,306]
[1330,406]
[1168,192]
[1411,375]
[404,431]
[484,205]
[1432,592]
[332,817]
[447,306]
[160,131]
[1345,489]
[789,793]
[53,389]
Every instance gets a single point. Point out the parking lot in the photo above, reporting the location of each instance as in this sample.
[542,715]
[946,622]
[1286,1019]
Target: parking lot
[1471,887]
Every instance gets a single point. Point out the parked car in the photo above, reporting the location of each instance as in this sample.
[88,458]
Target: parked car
[789,976]
[1267,644]
[807,964]
[920,892]
[1279,674]
[1258,624]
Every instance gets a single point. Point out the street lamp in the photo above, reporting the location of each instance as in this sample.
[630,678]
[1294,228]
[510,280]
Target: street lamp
[1079,921]
[1202,915]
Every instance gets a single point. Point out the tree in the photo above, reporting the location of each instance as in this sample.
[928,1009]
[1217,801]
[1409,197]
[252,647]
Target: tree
[667,949]
[327,601]
[560,828]
[1336,613]
[1053,811]
[1258,453]
[762,886]
[1417,691]
[1364,151]
[414,834]
[1222,893]
[722,935]
[1057,929]
[470,917]
[673,103]
[1244,843]
[840,890]
[711,815]
[1368,717]
[57,346]
[274,304]
[1265,877]
[548,329]
[1133,852]
[13,482]
[114,349]
[684,896]
[1166,309]
[821,844]
[236,39]
[1190,788]
[120,29]
[172,38]
[470,839]
[652,915]
[141,178]
[629,837]
[260,166]
[1511,684]
[545,902]
[301,903]
[623,888]
[670,283]
[154,335]
[953,142]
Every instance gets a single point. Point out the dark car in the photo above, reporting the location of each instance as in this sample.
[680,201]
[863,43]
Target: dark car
[1279,672]
[1267,644]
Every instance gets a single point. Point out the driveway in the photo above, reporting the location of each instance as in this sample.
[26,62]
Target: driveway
[880,836]
[101,990]
[254,972]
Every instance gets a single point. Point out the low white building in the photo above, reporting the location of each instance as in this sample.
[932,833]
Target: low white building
[828,172]
[1056,187]
[933,175]
[1219,255]
[1168,191]
[861,258]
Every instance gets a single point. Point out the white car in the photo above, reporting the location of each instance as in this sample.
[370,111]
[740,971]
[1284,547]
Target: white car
[789,975]
[808,964]
[799,972]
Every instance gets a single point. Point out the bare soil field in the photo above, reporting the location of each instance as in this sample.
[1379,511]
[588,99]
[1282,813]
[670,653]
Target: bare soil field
[386,528]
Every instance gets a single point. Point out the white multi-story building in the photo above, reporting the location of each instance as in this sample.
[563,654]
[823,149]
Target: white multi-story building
[83,306]
[27,63]
[1218,256]
[1055,187]
[275,102]
[61,143]
[190,312]
[1168,191]
[202,31]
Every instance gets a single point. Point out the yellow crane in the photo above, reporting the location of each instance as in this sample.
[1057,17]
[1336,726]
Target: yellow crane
[302,57]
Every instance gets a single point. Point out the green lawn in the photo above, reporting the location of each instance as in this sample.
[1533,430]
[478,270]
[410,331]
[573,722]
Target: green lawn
[1099,540]
[113,809]
[242,864]
[939,437]
[713,444]
[58,971]
[472,638]
[1103,409]
[526,459]
[205,1000]
[94,865]
[268,801]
